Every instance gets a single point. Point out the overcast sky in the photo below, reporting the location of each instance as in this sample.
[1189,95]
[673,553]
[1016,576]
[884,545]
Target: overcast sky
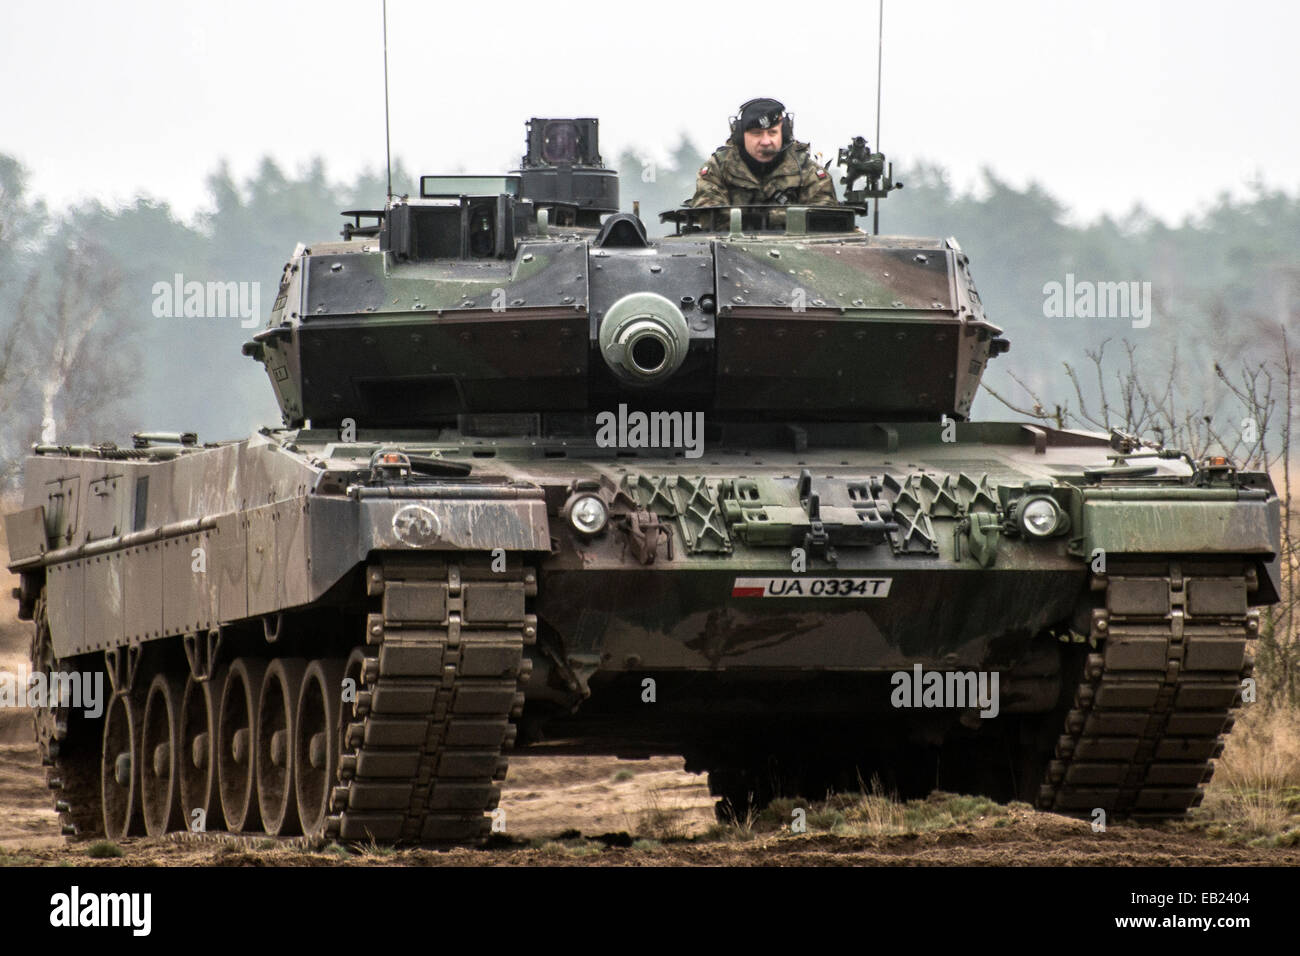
[1105,103]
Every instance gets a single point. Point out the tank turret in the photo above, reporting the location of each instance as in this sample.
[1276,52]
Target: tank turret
[491,295]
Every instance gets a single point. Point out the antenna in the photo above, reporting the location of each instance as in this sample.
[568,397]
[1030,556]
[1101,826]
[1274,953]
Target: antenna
[880,57]
[880,50]
[388,149]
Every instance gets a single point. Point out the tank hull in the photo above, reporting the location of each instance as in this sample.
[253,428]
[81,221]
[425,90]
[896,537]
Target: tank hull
[758,606]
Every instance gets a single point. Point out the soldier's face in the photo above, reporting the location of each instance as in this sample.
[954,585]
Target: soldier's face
[763,144]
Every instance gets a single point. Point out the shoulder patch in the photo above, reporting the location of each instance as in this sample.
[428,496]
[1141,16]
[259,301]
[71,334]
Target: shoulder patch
[821,173]
[704,170]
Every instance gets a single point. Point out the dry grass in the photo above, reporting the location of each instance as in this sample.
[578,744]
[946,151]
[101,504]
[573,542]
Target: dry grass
[1263,751]
[372,848]
[876,813]
[11,858]
[871,812]
[568,848]
[659,822]
[1255,794]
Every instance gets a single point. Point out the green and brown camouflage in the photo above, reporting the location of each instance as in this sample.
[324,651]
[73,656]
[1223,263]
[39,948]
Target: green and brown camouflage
[797,180]
[569,489]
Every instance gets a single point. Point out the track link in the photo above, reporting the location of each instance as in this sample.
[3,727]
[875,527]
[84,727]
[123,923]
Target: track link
[1156,697]
[422,759]
[69,745]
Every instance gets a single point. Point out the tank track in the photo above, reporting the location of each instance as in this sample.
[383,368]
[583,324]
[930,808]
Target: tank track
[68,744]
[440,682]
[1155,700]
[75,782]
[443,678]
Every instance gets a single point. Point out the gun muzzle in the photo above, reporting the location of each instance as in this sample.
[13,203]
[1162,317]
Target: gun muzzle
[644,338]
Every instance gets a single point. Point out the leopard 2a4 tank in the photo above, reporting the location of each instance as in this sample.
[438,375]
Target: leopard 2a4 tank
[547,484]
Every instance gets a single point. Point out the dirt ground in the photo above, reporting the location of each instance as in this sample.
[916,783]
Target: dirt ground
[589,810]
[550,800]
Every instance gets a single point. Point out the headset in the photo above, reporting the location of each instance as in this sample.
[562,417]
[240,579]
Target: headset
[787,122]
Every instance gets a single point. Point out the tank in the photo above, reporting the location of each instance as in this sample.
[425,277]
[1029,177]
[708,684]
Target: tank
[546,484]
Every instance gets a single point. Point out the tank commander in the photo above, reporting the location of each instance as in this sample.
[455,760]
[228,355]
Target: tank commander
[762,163]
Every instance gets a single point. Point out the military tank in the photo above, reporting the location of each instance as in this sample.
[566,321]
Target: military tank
[547,484]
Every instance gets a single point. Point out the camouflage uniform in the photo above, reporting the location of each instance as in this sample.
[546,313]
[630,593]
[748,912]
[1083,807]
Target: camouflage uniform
[797,180]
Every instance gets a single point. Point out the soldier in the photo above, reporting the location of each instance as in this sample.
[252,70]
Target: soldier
[762,163]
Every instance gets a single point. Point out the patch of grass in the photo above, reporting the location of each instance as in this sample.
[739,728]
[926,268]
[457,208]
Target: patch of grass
[876,813]
[339,850]
[1239,814]
[826,818]
[104,850]
[372,848]
[657,822]
[728,833]
[645,846]
[570,848]
[940,811]
[826,815]
[779,814]
[623,776]
[870,812]
[1254,797]
[1263,751]
[745,828]
[267,844]
[8,858]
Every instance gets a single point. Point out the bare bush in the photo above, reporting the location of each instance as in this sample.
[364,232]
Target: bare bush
[66,353]
[1249,419]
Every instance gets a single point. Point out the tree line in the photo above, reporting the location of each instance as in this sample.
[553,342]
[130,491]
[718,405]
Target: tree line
[84,357]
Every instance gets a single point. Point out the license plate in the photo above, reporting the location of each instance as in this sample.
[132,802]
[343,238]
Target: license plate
[811,587]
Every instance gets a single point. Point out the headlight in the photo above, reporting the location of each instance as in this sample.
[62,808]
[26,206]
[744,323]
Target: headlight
[1041,517]
[588,514]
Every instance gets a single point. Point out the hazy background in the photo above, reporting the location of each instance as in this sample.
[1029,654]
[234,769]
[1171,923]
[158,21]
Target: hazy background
[1118,141]
[1108,104]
